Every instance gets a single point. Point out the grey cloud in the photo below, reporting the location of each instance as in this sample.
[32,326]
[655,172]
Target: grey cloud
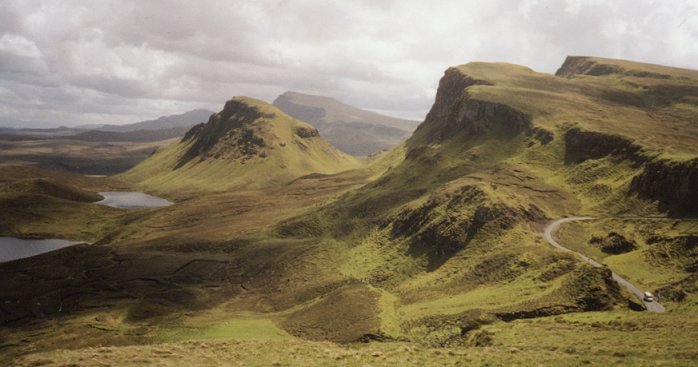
[121,61]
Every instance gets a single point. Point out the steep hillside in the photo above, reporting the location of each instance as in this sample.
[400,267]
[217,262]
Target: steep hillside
[352,130]
[452,230]
[248,145]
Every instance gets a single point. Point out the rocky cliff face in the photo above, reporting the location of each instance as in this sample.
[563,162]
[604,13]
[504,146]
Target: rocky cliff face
[581,145]
[673,184]
[455,112]
[233,124]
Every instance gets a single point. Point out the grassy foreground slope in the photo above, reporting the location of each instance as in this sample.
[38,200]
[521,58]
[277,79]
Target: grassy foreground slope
[434,248]
[596,339]
[248,145]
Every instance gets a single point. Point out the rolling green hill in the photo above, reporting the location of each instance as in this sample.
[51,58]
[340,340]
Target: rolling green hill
[248,145]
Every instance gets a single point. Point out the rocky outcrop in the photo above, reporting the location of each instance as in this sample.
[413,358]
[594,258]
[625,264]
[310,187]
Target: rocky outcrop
[673,184]
[233,124]
[581,145]
[307,132]
[455,112]
[542,135]
[592,289]
[614,243]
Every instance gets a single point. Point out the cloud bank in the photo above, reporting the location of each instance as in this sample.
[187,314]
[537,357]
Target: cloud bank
[85,62]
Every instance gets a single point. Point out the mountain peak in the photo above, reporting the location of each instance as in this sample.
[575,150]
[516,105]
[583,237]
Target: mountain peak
[250,144]
[241,130]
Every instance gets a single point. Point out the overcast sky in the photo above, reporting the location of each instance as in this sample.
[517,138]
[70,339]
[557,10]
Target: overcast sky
[83,62]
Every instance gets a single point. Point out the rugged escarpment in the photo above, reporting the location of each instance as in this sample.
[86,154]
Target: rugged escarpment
[248,144]
[582,145]
[454,112]
[673,184]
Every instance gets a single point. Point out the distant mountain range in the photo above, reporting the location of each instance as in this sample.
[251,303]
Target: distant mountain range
[162,128]
[350,129]
[187,120]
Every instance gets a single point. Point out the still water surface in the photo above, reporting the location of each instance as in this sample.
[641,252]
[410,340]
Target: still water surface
[12,248]
[132,200]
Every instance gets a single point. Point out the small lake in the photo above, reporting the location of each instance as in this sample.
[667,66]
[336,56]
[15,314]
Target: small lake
[132,200]
[12,248]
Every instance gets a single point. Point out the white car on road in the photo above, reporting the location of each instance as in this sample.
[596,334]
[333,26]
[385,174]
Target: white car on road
[648,297]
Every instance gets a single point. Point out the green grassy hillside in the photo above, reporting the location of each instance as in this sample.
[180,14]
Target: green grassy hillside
[248,145]
[450,232]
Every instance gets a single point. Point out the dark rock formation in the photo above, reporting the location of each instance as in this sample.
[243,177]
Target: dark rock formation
[233,124]
[614,243]
[673,184]
[455,112]
[306,132]
[582,145]
[542,135]
[592,289]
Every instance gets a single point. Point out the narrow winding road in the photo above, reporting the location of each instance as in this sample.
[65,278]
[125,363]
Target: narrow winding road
[548,235]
